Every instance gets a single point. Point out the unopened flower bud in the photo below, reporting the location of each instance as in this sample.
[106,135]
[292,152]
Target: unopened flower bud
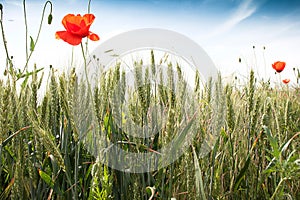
[50,18]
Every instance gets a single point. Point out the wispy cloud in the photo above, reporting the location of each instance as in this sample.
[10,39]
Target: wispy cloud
[13,2]
[242,12]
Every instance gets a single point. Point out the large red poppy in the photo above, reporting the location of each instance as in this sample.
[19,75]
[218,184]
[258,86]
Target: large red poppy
[77,27]
[278,66]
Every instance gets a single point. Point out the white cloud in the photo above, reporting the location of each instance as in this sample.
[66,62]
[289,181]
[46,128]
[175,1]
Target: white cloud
[14,3]
[242,12]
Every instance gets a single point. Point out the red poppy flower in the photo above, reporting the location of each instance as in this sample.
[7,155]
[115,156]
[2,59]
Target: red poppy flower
[278,66]
[286,81]
[77,27]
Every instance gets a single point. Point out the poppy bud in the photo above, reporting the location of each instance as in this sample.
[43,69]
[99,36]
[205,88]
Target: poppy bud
[50,18]
[1,6]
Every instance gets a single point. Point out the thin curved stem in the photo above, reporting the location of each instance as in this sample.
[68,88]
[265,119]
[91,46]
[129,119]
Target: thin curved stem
[89,6]
[77,146]
[5,42]
[39,31]
[89,11]
[278,187]
[85,69]
[26,28]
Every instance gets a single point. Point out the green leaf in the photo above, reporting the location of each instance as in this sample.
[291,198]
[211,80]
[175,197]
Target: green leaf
[150,191]
[46,178]
[224,135]
[27,74]
[269,171]
[107,51]
[198,177]
[180,138]
[242,174]
[55,165]
[24,83]
[286,145]
[32,45]
[273,142]
[9,138]
[88,172]
[6,192]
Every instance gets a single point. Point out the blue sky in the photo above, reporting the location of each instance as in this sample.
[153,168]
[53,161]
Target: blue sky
[226,29]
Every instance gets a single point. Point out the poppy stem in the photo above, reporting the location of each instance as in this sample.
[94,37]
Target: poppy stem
[85,69]
[38,35]
[89,6]
[88,11]
[26,28]
[8,58]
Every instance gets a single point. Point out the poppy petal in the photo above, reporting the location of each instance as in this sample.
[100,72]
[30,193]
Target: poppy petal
[93,37]
[286,81]
[88,18]
[82,24]
[68,37]
[279,66]
[76,25]
[66,19]
[73,28]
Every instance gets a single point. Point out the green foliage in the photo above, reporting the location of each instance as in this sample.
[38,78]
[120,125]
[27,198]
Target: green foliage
[44,154]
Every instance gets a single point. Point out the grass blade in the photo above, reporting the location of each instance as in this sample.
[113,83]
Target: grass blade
[198,177]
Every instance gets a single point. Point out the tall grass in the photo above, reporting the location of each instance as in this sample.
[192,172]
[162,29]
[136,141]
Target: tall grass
[44,154]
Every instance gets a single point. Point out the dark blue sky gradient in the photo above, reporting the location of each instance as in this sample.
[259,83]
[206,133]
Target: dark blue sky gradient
[215,11]
[272,8]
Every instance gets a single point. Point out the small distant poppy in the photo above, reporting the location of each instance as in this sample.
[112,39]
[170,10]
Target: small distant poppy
[77,27]
[286,81]
[278,66]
